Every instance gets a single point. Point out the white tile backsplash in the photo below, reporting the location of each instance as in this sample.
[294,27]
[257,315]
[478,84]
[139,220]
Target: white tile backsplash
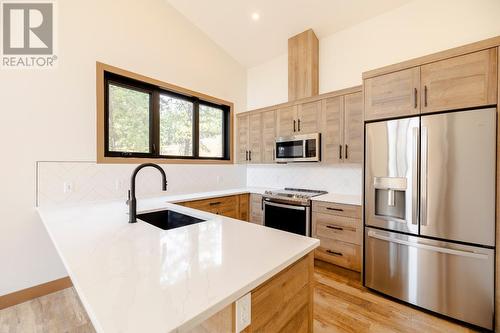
[93,182]
[339,179]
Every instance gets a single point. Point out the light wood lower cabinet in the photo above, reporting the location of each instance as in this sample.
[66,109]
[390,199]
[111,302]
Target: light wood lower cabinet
[339,229]
[284,303]
[235,206]
[256,212]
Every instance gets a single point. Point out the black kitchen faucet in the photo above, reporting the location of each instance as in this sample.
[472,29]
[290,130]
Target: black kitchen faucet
[132,201]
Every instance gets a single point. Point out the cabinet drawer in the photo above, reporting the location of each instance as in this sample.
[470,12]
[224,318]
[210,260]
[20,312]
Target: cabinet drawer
[337,209]
[339,253]
[351,235]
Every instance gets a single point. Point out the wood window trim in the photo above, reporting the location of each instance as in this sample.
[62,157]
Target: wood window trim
[101,68]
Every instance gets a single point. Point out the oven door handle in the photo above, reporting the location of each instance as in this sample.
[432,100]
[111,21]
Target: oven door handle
[284,206]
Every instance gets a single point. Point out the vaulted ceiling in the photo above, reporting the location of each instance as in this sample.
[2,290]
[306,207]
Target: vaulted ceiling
[251,42]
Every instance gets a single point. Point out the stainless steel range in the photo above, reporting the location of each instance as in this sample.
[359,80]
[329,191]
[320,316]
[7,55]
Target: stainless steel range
[289,209]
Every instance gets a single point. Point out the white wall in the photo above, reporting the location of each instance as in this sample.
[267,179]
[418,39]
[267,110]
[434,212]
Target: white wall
[50,114]
[421,27]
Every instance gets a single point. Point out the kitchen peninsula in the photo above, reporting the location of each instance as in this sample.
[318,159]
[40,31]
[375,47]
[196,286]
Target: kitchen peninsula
[137,277]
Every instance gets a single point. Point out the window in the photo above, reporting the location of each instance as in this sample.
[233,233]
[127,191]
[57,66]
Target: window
[143,120]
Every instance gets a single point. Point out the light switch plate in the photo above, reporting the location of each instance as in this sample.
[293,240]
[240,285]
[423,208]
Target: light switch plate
[243,312]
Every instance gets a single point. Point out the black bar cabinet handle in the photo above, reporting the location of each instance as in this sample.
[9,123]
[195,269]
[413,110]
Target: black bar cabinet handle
[246,155]
[340,152]
[335,209]
[249,155]
[346,152]
[335,253]
[298,125]
[294,125]
[425,96]
[415,100]
[334,227]
[215,203]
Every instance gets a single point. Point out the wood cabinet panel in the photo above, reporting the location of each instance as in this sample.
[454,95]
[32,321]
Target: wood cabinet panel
[255,138]
[309,118]
[268,136]
[392,95]
[286,119]
[340,228]
[284,303]
[242,138]
[256,213]
[353,128]
[244,209]
[461,82]
[332,129]
[339,253]
[332,208]
[303,60]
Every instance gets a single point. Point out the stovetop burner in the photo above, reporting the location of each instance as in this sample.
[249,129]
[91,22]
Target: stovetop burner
[295,194]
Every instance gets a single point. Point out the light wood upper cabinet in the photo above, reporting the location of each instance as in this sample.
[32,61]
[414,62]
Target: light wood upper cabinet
[286,121]
[243,135]
[268,135]
[353,127]
[255,138]
[342,129]
[309,118]
[332,129]
[465,81]
[392,95]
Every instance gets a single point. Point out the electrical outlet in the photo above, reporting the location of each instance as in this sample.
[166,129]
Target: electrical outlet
[243,312]
[68,187]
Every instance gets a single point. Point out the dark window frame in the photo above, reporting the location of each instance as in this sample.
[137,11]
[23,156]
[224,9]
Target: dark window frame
[154,117]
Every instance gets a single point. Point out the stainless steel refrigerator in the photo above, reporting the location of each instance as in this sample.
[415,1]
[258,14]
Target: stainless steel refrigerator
[430,212]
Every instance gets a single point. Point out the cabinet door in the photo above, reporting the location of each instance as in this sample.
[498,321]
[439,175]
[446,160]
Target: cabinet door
[332,129]
[286,121]
[255,141]
[353,128]
[309,117]
[461,82]
[242,137]
[256,213]
[268,135]
[392,95]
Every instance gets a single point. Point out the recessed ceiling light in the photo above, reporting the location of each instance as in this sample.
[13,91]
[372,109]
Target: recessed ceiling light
[255,16]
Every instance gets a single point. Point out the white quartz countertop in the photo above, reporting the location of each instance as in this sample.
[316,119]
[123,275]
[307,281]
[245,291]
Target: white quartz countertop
[139,278]
[346,199]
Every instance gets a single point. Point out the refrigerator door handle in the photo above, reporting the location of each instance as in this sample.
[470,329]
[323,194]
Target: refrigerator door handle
[414,181]
[424,176]
[444,250]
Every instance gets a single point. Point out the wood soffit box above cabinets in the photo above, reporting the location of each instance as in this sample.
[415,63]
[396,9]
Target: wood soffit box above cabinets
[303,62]
[460,78]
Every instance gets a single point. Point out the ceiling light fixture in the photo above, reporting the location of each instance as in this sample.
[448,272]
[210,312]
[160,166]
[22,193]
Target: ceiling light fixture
[255,16]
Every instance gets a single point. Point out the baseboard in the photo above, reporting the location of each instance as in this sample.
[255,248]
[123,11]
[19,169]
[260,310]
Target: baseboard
[28,294]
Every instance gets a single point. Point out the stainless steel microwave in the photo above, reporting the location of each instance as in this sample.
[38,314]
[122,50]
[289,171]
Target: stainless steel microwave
[299,148]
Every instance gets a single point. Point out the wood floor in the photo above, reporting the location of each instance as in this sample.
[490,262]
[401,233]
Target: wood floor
[341,305]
